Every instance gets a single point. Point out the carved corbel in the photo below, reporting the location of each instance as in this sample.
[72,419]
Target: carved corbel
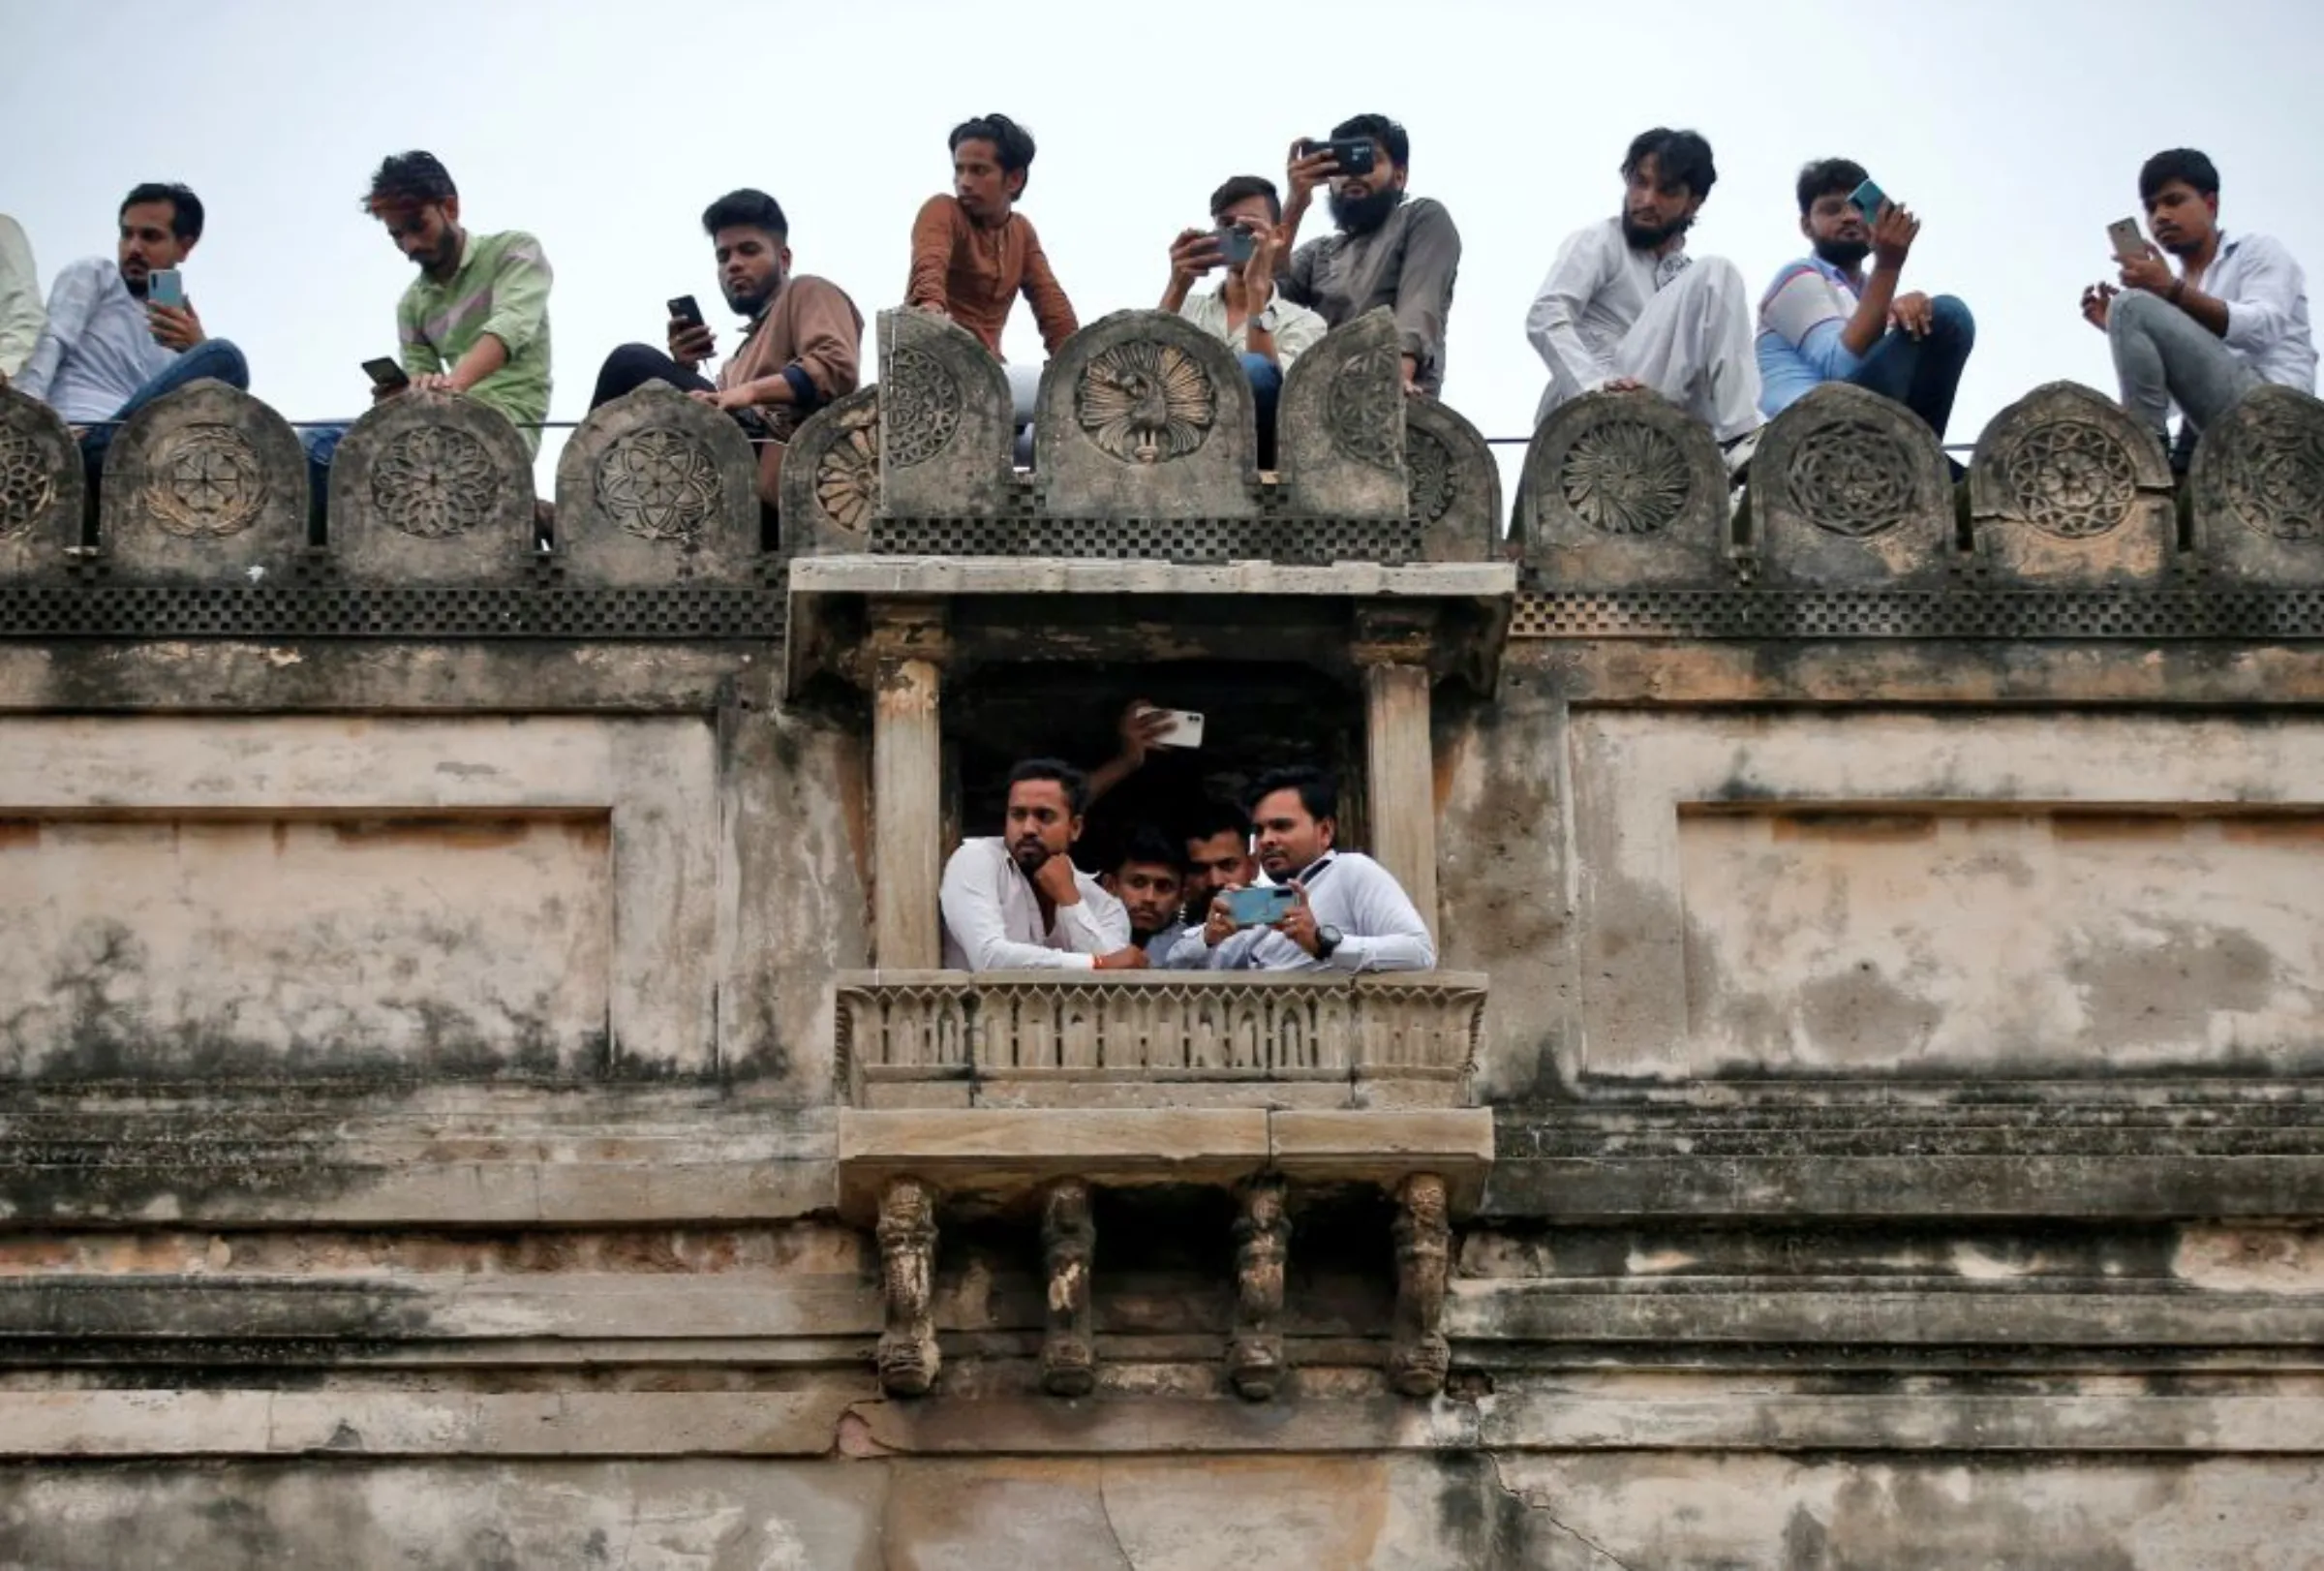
[908,1360]
[1261,1248]
[1394,635]
[1069,1250]
[1420,1356]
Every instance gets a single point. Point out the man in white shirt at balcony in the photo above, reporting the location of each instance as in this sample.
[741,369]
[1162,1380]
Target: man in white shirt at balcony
[1350,914]
[1016,902]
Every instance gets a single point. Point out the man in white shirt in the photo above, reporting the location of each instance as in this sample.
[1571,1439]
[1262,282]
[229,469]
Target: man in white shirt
[1625,307]
[2233,317]
[1015,901]
[108,351]
[20,314]
[1244,312]
[1149,881]
[1348,914]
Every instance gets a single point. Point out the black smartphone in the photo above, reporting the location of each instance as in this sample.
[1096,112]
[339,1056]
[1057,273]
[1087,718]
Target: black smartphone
[386,373]
[1236,244]
[684,309]
[1353,155]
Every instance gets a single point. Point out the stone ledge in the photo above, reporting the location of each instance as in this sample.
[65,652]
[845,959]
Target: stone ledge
[1005,575]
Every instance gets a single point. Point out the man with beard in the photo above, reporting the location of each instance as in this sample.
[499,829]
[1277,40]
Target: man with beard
[802,348]
[1150,883]
[1350,914]
[2233,317]
[1243,312]
[1625,307]
[1015,901]
[1825,320]
[1217,856]
[106,349]
[1389,252]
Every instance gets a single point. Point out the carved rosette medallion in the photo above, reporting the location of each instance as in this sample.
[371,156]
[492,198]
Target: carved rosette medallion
[660,484]
[847,475]
[1852,478]
[1624,477]
[1145,403]
[1365,408]
[921,401]
[28,483]
[1428,464]
[207,482]
[434,481]
[2273,479]
[2074,480]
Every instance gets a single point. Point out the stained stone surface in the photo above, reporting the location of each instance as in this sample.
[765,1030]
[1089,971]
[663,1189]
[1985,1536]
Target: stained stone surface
[1456,486]
[1623,488]
[1339,425]
[2066,489]
[1142,414]
[2258,483]
[657,488]
[831,477]
[202,484]
[42,488]
[1851,487]
[947,432]
[432,488]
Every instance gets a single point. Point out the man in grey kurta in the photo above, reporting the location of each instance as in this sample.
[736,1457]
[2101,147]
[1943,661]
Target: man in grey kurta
[1391,251]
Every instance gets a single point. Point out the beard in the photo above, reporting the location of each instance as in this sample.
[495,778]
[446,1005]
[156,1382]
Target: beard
[1028,856]
[1646,236]
[1361,215]
[1846,254]
[750,303]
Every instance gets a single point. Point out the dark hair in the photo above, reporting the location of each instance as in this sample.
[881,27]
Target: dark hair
[2178,164]
[414,177]
[1825,177]
[1319,791]
[746,209]
[184,207]
[1075,782]
[1381,129]
[1149,846]
[1242,188]
[1213,816]
[1680,156]
[1012,144]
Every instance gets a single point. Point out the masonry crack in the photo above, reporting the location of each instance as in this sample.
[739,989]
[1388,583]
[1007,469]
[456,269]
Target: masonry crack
[1552,1517]
[1107,1507]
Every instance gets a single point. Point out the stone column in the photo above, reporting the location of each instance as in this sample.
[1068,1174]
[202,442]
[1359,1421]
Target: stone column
[907,648]
[1392,649]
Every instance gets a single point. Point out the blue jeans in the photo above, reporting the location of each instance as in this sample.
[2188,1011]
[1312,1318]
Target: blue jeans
[1923,374]
[1266,386]
[215,358]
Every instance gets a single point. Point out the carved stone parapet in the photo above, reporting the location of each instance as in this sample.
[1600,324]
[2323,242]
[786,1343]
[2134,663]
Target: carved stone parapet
[831,477]
[906,1230]
[1143,415]
[42,488]
[2066,489]
[2258,483]
[948,427]
[1454,483]
[1339,424]
[1623,488]
[1069,1252]
[1849,487]
[656,487]
[1419,1356]
[432,488]
[1255,1363]
[205,483]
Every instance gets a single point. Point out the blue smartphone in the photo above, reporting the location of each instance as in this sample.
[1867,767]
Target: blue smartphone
[1868,198]
[166,286]
[1261,904]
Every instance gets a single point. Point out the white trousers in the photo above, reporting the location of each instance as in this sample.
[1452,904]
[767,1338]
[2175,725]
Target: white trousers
[1692,344]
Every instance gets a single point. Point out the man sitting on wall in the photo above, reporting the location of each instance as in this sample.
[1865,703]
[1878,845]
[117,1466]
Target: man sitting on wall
[801,349]
[1389,251]
[1150,884]
[107,349]
[1824,319]
[1243,312]
[2233,317]
[1348,912]
[1015,901]
[1625,307]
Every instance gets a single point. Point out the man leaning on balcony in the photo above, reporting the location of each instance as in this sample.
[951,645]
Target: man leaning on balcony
[1350,914]
[1016,902]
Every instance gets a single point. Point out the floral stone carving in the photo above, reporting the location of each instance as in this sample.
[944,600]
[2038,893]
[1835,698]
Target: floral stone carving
[1624,477]
[433,481]
[658,484]
[2272,478]
[921,401]
[27,482]
[207,482]
[1365,410]
[2071,479]
[847,475]
[1852,477]
[1145,403]
[1428,464]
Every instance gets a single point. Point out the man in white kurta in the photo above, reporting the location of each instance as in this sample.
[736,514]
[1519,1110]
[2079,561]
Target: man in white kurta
[1016,902]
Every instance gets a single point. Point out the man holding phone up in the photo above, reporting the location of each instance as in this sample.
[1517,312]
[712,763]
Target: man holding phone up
[2233,317]
[113,342]
[1389,252]
[1346,911]
[1825,320]
[1244,311]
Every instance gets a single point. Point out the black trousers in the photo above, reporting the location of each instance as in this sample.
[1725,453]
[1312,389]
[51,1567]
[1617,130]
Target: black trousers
[632,366]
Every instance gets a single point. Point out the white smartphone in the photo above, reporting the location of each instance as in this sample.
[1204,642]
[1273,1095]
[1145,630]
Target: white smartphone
[2129,241]
[1185,729]
[165,286]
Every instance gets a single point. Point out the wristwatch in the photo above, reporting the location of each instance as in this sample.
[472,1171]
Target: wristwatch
[1327,938]
[1269,319]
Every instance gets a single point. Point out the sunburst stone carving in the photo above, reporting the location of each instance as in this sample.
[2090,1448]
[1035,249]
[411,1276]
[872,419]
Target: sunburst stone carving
[847,475]
[1624,477]
[207,482]
[921,403]
[2074,480]
[433,481]
[1145,403]
[27,481]
[660,484]
[1852,477]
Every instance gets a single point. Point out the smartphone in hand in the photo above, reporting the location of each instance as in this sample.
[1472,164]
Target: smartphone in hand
[685,309]
[1261,904]
[1184,731]
[386,373]
[1867,199]
[2129,241]
[166,286]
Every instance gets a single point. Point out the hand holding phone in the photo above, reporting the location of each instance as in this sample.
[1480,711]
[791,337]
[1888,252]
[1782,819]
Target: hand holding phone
[1236,244]
[387,375]
[692,341]
[2128,240]
[1172,728]
[1867,198]
[1260,906]
[166,286]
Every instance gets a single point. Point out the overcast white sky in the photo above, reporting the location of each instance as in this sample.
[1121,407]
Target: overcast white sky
[2014,127]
